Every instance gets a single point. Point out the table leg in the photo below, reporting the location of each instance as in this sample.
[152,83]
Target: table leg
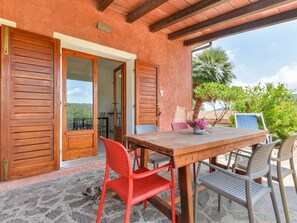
[164,207]
[143,157]
[186,194]
[213,161]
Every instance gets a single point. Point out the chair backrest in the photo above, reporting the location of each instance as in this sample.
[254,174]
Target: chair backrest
[140,129]
[249,120]
[286,149]
[179,125]
[102,114]
[117,157]
[259,162]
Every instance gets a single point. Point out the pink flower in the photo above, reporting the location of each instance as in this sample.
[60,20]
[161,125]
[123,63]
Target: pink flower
[198,123]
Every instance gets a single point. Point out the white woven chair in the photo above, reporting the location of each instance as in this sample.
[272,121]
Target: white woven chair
[241,188]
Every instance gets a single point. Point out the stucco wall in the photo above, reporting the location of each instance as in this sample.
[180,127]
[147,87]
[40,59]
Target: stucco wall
[77,18]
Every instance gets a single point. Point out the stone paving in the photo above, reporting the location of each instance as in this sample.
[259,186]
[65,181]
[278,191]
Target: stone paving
[62,201]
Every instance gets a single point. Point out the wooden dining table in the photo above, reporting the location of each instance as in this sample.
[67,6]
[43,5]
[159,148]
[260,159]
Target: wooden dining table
[186,148]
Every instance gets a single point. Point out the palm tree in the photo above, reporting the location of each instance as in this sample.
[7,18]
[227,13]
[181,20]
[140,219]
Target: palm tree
[211,65]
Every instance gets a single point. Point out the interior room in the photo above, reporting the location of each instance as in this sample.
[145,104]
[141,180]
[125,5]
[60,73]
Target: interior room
[109,100]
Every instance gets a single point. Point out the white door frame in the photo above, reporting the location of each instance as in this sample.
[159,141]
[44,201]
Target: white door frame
[72,43]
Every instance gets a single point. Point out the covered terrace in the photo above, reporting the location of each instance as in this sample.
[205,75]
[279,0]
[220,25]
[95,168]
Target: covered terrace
[148,45]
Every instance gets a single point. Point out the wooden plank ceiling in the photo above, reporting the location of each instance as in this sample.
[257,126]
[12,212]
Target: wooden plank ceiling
[196,22]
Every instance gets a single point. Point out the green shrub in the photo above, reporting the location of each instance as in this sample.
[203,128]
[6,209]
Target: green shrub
[278,105]
[222,94]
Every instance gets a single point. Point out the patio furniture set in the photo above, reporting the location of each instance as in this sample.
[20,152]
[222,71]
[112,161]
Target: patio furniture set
[181,149]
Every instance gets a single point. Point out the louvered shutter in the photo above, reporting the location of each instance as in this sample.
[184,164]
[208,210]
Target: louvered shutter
[30,104]
[147,110]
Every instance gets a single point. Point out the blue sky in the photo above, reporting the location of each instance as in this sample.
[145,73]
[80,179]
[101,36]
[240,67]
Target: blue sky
[264,55]
[79,91]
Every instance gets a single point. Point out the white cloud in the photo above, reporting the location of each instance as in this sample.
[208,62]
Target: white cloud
[230,54]
[243,70]
[75,91]
[241,83]
[286,75]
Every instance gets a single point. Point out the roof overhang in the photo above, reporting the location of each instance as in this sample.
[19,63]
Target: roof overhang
[197,22]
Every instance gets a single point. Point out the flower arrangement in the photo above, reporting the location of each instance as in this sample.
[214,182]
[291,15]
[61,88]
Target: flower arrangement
[197,123]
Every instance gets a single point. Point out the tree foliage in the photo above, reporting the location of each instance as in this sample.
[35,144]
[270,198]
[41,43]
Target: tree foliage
[76,111]
[214,93]
[278,105]
[79,116]
[211,66]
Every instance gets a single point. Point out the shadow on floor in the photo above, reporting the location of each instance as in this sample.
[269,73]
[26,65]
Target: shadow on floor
[62,200]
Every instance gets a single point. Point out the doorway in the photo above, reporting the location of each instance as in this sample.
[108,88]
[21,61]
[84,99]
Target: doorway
[111,100]
[94,103]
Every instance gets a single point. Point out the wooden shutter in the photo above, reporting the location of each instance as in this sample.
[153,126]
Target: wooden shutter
[147,107]
[29,104]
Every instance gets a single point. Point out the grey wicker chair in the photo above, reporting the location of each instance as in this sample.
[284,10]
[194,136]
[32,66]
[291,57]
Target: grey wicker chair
[154,157]
[278,172]
[241,188]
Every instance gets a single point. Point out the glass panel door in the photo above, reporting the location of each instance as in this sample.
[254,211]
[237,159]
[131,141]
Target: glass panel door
[79,94]
[118,103]
[79,110]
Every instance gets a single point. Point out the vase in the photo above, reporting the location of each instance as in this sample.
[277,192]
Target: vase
[197,131]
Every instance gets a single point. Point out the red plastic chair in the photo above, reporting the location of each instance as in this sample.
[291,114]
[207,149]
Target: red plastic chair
[178,126]
[132,187]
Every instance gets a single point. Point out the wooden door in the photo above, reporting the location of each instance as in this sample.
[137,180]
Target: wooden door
[147,103]
[119,102]
[79,105]
[29,104]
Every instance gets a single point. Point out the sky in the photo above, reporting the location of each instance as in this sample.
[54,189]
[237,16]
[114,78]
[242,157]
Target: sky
[264,55]
[79,91]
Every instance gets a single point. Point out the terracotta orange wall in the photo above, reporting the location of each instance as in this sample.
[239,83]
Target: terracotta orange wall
[77,18]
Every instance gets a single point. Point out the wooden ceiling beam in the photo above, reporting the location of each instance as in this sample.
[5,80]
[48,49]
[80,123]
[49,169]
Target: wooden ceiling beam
[268,21]
[188,12]
[143,9]
[103,4]
[229,16]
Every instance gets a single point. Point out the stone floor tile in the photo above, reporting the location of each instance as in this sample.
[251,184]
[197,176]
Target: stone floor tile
[62,201]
